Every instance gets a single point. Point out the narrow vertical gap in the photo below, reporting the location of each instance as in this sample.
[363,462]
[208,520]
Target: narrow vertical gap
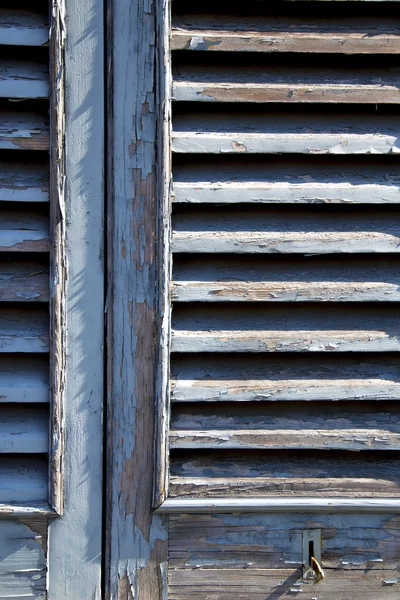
[310,551]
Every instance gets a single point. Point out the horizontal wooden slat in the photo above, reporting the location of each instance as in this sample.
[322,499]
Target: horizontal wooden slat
[322,425]
[23,79]
[24,379]
[24,430]
[284,473]
[23,480]
[255,378]
[23,281]
[286,182]
[272,33]
[24,182]
[24,330]
[285,84]
[23,131]
[23,231]
[23,27]
[324,291]
[274,328]
[231,133]
[259,584]
[284,242]
[302,279]
[279,232]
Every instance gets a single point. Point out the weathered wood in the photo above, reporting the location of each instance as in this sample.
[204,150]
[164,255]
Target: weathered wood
[285,84]
[20,79]
[23,27]
[331,426]
[23,481]
[275,33]
[262,583]
[23,564]
[323,291]
[267,504]
[24,430]
[26,182]
[279,232]
[24,331]
[58,258]
[24,131]
[23,281]
[281,181]
[253,378]
[284,473]
[135,537]
[238,133]
[275,329]
[75,539]
[24,379]
[23,231]
[263,553]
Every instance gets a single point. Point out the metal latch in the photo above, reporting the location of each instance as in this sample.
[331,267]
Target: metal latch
[312,555]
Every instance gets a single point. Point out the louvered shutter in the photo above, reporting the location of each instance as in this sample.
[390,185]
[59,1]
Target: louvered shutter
[24,260]
[285,236]
[24,296]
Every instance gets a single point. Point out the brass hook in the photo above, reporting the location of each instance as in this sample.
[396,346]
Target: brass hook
[318,570]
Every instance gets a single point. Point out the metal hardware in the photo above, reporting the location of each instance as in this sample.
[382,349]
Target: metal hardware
[312,555]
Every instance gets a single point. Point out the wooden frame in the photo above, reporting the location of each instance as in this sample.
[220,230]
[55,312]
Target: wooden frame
[137,316]
[75,539]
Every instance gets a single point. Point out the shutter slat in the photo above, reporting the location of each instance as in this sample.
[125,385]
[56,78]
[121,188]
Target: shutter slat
[19,79]
[322,291]
[274,32]
[23,131]
[328,473]
[367,42]
[286,426]
[282,84]
[23,282]
[284,242]
[252,378]
[23,182]
[24,431]
[296,181]
[24,331]
[250,390]
[23,481]
[23,28]
[274,328]
[337,439]
[24,379]
[23,231]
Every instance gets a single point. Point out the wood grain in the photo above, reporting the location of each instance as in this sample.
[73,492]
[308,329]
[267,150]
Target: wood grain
[135,537]
[284,473]
[22,281]
[24,131]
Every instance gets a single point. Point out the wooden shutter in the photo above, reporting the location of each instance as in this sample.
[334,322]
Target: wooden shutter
[24,259]
[24,296]
[285,241]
